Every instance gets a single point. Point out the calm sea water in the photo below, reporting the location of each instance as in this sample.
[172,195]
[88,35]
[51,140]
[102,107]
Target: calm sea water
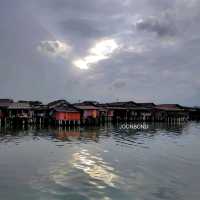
[162,162]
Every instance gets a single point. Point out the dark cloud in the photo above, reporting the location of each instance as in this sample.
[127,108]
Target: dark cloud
[85,28]
[88,7]
[118,84]
[162,26]
[162,4]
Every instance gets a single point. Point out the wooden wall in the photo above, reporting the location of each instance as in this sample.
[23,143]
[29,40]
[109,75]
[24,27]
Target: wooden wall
[67,116]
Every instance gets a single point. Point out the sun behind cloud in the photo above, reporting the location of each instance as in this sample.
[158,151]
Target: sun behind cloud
[100,51]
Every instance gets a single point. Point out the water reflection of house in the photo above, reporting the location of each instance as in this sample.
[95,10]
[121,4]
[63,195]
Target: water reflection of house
[171,113]
[75,133]
[90,134]
[64,134]
[63,113]
[167,127]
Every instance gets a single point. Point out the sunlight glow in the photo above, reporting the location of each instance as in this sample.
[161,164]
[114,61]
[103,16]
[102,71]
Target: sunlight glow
[95,168]
[99,172]
[81,64]
[104,48]
[101,50]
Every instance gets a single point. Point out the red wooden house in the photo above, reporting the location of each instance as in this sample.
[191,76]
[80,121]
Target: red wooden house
[64,113]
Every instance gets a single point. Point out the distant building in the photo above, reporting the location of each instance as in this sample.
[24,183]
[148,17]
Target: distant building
[171,112]
[194,112]
[129,111]
[61,112]
[20,110]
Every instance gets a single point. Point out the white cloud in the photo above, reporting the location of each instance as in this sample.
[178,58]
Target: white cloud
[54,48]
[100,51]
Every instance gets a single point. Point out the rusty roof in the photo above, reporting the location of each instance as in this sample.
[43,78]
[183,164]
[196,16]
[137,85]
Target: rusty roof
[65,109]
[170,107]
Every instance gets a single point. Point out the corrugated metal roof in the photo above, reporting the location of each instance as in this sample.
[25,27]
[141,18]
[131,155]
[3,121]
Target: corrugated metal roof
[17,105]
[123,104]
[147,105]
[115,108]
[169,106]
[40,107]
[122,107]
[87,107]
[58,103]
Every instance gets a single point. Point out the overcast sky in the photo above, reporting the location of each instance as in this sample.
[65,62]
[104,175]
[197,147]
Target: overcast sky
[140,50]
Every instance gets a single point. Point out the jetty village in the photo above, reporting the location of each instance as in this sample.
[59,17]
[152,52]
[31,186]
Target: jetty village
[63,113]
